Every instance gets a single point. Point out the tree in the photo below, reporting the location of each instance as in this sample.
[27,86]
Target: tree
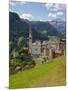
[20,42]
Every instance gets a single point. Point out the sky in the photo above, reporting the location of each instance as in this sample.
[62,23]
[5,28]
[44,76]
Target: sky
[35,11]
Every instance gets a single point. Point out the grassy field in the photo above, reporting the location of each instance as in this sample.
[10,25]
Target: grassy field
[51,74]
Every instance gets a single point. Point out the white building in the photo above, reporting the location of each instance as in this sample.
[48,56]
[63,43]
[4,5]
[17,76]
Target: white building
[36,48]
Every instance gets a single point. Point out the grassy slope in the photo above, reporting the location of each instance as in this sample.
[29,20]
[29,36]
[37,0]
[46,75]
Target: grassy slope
[50,74]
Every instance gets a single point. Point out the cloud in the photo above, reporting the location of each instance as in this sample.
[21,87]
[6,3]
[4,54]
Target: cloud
[48,6]
[52,15]
[55,15]
[42,20]
[49,19]
[63,6]
[21,2]
[12,3]
[60,13]
[26,16]
[55,7]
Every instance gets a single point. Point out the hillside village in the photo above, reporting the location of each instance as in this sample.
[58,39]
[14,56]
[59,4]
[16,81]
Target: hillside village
[45,49]
[48,49]
[27,45]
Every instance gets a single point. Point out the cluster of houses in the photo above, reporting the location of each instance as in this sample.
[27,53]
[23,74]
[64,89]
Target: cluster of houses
[50,49]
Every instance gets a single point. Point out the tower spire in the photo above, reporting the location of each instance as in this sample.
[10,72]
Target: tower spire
[30,39]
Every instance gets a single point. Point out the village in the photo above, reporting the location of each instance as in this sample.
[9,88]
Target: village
[49,48]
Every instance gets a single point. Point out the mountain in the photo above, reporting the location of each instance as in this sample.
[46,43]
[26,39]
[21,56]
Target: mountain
[60,25]
[45,28]
[20,27]
[17,27]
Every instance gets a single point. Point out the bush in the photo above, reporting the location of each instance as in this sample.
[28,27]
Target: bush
[45,60]
[14,63]
[25,51]
[33,62]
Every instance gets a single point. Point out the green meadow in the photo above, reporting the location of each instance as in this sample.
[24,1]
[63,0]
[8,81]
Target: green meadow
[52,73]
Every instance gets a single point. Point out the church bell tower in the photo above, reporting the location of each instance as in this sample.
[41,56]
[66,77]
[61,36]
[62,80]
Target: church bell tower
[30,39]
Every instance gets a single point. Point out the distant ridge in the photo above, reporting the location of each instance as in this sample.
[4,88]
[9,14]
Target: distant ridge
[40,30]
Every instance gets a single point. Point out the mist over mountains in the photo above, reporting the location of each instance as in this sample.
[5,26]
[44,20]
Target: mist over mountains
[59,25]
